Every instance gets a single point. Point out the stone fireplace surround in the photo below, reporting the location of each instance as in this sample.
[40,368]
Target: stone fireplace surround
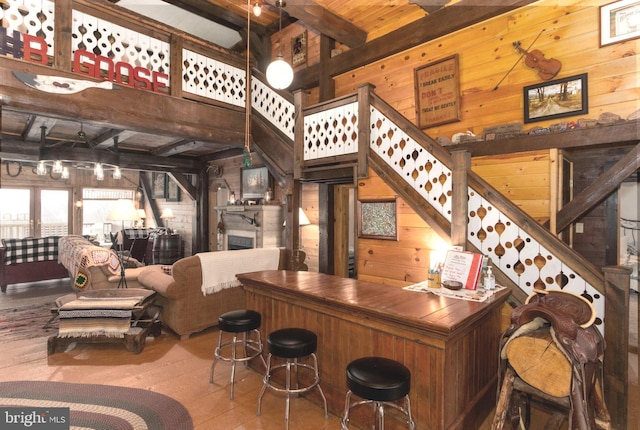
[255,226]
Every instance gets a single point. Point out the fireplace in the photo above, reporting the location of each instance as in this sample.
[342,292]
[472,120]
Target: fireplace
[254,226]
[239,242]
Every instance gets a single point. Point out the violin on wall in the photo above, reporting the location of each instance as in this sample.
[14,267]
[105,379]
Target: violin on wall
[547,69]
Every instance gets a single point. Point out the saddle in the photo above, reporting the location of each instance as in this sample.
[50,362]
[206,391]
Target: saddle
[552,350]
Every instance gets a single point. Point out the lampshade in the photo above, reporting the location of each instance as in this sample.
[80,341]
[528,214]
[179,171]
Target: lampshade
[279,73]
[302,218]
[167,214]
[141,214]
[124,210]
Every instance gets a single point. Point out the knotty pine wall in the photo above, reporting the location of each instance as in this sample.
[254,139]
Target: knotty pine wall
[569,32]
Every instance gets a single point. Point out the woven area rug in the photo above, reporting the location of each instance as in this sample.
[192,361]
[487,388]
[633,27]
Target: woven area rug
[100,407]
[27,322]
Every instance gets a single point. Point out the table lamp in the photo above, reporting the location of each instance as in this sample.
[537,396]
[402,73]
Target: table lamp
[142,215]
[167,214]
[124,210]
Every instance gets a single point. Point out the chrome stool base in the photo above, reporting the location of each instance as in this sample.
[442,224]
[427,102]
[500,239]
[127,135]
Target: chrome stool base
[251,348]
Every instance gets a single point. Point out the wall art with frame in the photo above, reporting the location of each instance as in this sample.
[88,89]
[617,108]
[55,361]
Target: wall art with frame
[254,182]
[173,190]
[158,185]
[377,219]
[437,88]
[619,21]
[556,99]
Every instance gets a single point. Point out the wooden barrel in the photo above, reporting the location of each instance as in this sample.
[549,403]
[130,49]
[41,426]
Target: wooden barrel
[166,249]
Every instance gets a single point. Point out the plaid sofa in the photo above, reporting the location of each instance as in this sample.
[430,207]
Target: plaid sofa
[30,260]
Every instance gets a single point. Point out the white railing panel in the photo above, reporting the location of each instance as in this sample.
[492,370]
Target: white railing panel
[415,165]
[118,43]
[32,17]
[273,107]
[518,255]
[331,132]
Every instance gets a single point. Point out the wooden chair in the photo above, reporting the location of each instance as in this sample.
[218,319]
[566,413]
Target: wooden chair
[552,353]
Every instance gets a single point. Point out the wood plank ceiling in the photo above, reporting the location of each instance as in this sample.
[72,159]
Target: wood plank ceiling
[370,29]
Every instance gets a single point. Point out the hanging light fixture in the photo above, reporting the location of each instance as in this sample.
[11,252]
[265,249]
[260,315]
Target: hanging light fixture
[279,72]
[257,10]
[65,173]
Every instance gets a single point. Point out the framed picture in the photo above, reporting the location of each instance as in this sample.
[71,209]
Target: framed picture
[377,219]
[254,182]
[556,99]
[173,190]
[437,92]
[158,185]
[299,49]
[619,21]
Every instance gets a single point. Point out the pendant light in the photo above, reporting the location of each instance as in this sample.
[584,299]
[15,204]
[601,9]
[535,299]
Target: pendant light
[279,72]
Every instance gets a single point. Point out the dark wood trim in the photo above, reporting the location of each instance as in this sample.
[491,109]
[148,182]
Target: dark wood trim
[326,207]
[622,133]
[595,193]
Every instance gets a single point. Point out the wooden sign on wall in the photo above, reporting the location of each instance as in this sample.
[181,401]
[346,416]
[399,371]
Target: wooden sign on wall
[438,92]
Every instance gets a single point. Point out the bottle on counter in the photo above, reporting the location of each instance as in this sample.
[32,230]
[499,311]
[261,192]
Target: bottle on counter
[489,280]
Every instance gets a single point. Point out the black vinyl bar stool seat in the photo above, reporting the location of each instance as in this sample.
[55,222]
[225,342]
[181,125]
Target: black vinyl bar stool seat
[245,322]
[291,344]
[380,382]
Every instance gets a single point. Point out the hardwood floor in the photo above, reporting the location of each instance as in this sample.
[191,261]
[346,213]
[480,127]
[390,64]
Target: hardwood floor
[179,369]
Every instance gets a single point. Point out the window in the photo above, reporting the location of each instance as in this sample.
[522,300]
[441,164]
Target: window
[97,204]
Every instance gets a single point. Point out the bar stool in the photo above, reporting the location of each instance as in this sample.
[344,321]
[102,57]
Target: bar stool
[292,344]
[239,321]
[379,381]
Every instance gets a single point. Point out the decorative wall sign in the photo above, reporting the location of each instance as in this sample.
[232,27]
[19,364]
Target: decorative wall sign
[377,219]
[159,185]
[556,99]
[619,21]
[299,49]
[438,92]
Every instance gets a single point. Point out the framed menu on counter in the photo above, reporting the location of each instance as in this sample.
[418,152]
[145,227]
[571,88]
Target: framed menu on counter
[462,266]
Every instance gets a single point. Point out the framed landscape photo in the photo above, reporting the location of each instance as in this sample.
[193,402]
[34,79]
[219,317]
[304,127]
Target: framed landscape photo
[556,99]
[254,182]
[377,219]
[619,21]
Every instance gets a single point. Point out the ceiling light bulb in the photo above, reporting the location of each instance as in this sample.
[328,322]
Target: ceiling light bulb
[65,173]
[57,166]
[41,169]
[279,73]
[257,10]
[117,174]
[99,172]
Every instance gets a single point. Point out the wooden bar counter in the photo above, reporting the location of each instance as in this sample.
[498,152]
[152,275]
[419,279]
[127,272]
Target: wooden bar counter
[449,345]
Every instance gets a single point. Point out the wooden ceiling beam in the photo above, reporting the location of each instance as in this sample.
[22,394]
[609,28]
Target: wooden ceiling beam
[325,22]
[220,15]
[177,147]
[144,111]
[447,20]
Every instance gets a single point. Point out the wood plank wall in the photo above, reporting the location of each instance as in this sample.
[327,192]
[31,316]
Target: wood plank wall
[569,32]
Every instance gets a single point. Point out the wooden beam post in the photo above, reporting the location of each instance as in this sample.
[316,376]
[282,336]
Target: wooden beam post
[300,100]
[617,281]
[364,115]
[460,204]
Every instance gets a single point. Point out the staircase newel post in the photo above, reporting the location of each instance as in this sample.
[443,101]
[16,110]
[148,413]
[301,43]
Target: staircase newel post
[300,101]
[460,202]
[364,131]
[617,280]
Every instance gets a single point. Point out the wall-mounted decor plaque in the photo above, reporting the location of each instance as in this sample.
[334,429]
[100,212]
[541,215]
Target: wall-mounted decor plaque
[438,92]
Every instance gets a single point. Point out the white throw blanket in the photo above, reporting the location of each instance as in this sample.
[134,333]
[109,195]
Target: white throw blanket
[219,268]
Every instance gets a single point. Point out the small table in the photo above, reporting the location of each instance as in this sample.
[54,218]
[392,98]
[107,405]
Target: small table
[144,321]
